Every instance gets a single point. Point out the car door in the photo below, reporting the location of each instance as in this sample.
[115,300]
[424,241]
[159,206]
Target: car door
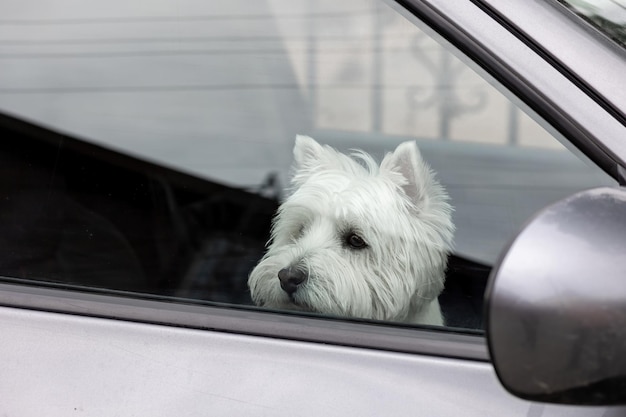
[147,147]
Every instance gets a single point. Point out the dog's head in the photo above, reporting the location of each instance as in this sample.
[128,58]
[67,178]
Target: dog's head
[356,238]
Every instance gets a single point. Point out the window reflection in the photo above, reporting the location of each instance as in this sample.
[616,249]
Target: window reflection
[78,214]
[161,137]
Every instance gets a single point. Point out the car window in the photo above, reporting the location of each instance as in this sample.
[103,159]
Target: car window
[147,149]
[608,16]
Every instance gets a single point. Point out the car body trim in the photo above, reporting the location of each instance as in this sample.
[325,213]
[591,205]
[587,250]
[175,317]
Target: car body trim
[433,341]
[597,42]
[536,82]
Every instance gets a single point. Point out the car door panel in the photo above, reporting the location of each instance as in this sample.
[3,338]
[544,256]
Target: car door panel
[56,364]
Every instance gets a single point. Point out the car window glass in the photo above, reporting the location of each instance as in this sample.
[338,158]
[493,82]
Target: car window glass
[147,147]
[608,16]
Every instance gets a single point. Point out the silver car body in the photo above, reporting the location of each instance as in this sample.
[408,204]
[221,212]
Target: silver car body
[80,362]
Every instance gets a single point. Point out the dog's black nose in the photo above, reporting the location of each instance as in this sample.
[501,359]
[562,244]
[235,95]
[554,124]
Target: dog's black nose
[290,279]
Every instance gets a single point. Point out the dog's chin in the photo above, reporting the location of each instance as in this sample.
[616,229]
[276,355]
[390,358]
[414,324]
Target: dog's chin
[290,304]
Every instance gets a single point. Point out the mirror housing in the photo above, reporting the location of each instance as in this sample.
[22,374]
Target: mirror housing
[556,303]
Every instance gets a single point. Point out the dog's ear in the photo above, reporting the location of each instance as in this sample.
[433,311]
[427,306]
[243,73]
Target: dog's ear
[416,176]
[308,158]
[307,152]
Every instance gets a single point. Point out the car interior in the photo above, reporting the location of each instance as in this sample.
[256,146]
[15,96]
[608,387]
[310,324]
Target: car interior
[108,221]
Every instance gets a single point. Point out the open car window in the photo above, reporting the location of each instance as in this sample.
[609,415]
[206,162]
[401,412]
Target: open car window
[146,149]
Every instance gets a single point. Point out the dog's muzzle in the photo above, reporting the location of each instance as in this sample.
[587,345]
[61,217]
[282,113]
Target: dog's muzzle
[290,279]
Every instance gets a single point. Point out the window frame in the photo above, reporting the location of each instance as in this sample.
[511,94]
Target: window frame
[521,55]
[511,61]
[536,26]
[247,321]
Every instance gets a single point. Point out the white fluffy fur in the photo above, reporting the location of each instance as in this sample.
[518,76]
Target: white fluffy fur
[398,208]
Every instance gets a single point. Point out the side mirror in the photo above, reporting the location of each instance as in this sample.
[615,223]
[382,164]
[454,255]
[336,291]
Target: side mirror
[556,303]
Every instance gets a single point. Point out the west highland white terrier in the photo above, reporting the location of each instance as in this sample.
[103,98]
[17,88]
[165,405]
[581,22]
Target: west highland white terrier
[356,239]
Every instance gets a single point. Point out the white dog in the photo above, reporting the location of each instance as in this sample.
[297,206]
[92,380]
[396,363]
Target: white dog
[356,239]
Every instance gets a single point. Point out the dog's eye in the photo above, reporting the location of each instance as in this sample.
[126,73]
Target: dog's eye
[355,241]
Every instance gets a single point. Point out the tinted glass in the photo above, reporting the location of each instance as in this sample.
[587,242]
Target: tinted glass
[147,146]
